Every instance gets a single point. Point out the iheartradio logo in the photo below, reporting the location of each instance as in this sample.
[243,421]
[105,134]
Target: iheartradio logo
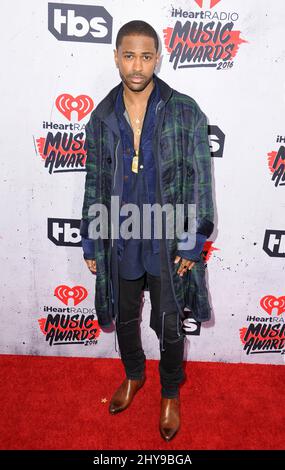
[82,104]
[207,4]
[76,293]
[269,302]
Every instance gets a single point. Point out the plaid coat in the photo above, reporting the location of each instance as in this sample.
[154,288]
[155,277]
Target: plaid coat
[182,153]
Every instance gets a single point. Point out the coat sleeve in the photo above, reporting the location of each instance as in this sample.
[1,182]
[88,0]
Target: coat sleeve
[88,244]
[203,176]
[192,245]
[196,242]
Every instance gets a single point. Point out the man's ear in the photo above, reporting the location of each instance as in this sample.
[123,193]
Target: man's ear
[116,57]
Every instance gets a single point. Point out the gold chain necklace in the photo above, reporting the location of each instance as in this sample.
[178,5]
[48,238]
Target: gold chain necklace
[137,131]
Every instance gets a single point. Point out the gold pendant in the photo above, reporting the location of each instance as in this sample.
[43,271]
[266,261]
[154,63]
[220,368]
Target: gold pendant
[135,162]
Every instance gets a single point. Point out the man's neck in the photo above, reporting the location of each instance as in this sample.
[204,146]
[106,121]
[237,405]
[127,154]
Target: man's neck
[138,98]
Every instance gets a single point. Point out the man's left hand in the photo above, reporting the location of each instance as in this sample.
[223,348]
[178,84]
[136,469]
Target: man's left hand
[185,265]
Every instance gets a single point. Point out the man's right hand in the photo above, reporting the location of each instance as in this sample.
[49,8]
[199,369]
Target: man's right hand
[91,265]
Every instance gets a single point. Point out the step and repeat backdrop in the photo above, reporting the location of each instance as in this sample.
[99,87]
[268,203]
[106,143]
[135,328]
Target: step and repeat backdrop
[57,65]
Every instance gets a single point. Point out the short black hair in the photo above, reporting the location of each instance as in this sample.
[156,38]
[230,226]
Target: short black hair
[137,27]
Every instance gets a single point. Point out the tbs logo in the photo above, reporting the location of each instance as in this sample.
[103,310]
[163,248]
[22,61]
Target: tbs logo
[190,326]
[81,23]
[64,232]
[216,141]
[274,243]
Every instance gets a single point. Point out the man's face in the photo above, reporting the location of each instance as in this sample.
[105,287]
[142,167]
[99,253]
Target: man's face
[136,59]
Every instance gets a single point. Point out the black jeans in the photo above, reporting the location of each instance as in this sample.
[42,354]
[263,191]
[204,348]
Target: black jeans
[129,337]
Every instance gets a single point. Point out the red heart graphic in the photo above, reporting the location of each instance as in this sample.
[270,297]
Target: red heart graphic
[64,293]
[269,302]
[212,4]
[82,104]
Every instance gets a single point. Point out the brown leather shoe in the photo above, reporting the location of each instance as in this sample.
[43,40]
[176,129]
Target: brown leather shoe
[123,397]
[169,417]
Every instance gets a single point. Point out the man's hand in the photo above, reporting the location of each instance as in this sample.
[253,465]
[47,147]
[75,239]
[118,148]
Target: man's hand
[91,265]
[184,265]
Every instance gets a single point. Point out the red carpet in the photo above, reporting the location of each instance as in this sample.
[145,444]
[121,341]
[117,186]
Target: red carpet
[55,403]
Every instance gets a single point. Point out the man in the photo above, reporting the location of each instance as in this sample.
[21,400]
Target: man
[147,144]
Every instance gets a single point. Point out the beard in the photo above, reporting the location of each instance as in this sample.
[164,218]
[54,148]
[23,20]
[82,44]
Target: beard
[135,87]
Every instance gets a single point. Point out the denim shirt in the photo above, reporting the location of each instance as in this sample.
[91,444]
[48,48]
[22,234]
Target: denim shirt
[138,255]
